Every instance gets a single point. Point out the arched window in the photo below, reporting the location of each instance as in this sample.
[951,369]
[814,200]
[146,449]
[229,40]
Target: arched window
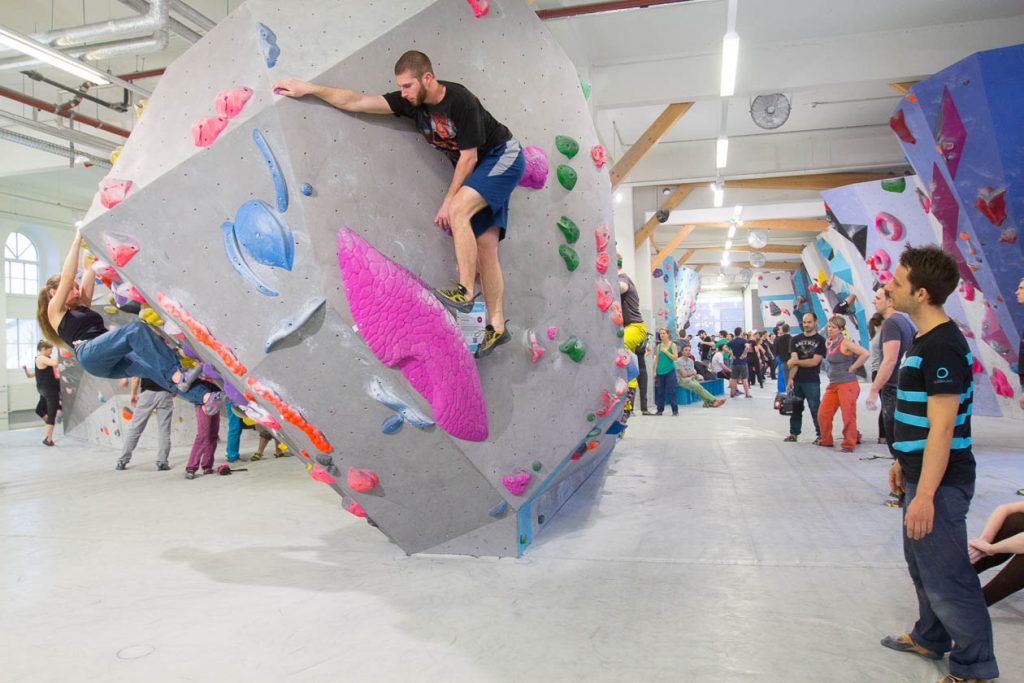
[21,265]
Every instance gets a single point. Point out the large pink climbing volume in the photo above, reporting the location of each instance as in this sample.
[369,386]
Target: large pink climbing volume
[407,328]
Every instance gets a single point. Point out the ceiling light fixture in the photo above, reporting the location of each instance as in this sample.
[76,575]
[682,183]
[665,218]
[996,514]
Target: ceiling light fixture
[728,245]
[732,229]
[718,188]
[730,62]
[722,152]
[44,53]
[619,197]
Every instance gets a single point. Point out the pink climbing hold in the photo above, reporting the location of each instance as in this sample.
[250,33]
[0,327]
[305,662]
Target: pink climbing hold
[926,201]
[536,173]
[608,402]
[552,333]
[517,483]
[889,226]
[104,270]
[881,260]
[967,289]
[121,248]
[354,508]
[976,366]
[884,277]
[992,333]
[1001,384]
[992,204]
[407,328]
[128,291]
[604,295]
[480,7]
[620,387]
[320,474]
[622,357]
[362,480]
[113,191]
[602,236]
[602,262]
[206,130]
[599,156]
[536,350]
[230,102]
[617,313]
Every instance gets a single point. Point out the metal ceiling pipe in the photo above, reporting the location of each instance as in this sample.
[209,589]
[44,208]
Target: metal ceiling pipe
[173,24]
[155,19]
[602,7]
[156,43]
[44,146]
[46,106]
[193,15]
[69,134]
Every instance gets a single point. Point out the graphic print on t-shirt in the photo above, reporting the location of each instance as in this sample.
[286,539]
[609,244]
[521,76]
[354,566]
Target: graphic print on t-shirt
[442,132]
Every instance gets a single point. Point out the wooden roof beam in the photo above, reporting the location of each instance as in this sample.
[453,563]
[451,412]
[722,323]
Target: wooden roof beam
[686,255]
[769,249]
[671,246]
[673,200]
[649,139]
[796,224]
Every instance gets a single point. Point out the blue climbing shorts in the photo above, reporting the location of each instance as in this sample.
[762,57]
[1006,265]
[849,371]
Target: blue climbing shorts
[494,177]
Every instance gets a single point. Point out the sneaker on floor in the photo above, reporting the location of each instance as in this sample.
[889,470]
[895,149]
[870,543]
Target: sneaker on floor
[492,338]
[904,643]
[817,441]
[719,402]
[255,456]
[647,412]
[207,470]
[48,442]
[121,464]
[162,467]
[234,459]
[190,474]
[792,438]
[950,678]
[456,298]
[846,449]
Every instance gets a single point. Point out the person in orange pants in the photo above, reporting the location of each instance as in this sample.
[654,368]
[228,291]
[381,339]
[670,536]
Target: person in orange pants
[844,358]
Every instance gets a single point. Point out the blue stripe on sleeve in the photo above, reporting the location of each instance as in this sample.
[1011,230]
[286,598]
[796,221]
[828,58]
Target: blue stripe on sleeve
[914,420]
[912,396]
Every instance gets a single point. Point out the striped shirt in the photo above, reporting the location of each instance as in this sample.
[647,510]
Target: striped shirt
[938,362]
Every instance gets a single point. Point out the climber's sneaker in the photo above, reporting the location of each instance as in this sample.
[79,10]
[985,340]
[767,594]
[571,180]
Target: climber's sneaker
[492,338]
[457,298]
[188,378]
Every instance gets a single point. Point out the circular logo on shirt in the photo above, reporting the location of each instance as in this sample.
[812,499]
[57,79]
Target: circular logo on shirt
[942,373]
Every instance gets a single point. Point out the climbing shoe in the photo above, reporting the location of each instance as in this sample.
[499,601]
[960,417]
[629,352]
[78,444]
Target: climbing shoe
[950,678]
[213,404]
[791,438]
[188,378]
[904,643]
[492,338]
[456,298]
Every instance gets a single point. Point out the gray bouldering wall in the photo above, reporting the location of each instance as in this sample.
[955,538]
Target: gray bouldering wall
[289,244]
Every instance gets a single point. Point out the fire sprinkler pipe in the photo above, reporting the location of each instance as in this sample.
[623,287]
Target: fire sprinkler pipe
[46,106]
[602,7]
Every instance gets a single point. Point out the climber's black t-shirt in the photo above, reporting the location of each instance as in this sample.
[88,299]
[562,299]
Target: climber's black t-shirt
[457,122]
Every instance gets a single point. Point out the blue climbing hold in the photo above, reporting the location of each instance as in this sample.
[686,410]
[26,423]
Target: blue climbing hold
[499,509]
[391,424]
[307,189]
[238,262]
[268,45]
[264,236]
[280,187]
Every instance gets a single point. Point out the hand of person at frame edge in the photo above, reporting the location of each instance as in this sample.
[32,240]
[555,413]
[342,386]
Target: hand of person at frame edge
[896,479]
[872,401]
[443,218]
[920,517]
[978,548]
[789,386]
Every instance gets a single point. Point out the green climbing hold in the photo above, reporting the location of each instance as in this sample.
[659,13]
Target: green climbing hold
[569,229]
[593,432]
[536,466]
[567,145]
[566,176]
[894,185]
[522,539]
[585,87]
[569,255]
[620,333]
[573,348]
[591,417]
[540,519]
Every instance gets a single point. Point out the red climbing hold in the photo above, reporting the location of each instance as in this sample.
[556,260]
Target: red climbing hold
[230,102]
[602,236]
[536,350]
[608,401]
[898,123]
[622,358]
[362,480]
[480,7]
[206,130]
[604,295]
[320,474]
[603,260]
[202,334]
[617,313]
[120,247]
[599,156]
[113,191]
[290,414]
[992,204]
[354,508]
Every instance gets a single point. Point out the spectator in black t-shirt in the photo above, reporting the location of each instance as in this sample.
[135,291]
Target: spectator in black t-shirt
[48,386]
[739,347]
[488,165]
[806,351]
[706,344]
[935,472]
[897,334]
[781,348]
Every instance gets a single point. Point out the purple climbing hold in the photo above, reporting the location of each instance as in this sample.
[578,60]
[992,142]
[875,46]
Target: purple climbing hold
[657,273]
[536,173]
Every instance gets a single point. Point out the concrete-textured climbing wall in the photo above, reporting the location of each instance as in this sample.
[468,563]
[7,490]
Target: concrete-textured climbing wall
[290,243]
[687,291]
[897,214]
[777,300]
[664,287]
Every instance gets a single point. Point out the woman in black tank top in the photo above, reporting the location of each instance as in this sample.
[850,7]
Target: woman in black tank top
[48,387]
[132,350]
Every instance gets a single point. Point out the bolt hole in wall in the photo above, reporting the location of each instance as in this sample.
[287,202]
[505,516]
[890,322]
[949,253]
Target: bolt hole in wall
[718,311]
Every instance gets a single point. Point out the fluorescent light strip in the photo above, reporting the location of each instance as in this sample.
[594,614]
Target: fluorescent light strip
[722,152]
[43,53]
[719,194]
[730,61]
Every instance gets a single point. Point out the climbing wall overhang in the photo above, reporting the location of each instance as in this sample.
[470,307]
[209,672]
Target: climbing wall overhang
[290,243]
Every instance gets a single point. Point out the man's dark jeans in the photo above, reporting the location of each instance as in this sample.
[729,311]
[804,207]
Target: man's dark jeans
[888,399]
[952,616]
[811,391]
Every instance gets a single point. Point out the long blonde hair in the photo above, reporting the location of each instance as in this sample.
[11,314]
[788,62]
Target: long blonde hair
[42,311]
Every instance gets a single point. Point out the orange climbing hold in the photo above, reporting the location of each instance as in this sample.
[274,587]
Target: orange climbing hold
[290,414]
[127,414]
[202,333]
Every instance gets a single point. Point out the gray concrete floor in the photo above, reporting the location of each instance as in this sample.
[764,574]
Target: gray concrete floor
[707,550]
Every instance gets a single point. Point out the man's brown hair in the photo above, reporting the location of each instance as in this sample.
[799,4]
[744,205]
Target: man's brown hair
[414,62]
[931,269]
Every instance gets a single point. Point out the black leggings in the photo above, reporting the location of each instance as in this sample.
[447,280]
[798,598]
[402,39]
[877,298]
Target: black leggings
[1010,578]
[49,404]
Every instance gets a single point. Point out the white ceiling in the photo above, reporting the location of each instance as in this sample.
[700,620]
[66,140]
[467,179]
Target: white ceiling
[834,60]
